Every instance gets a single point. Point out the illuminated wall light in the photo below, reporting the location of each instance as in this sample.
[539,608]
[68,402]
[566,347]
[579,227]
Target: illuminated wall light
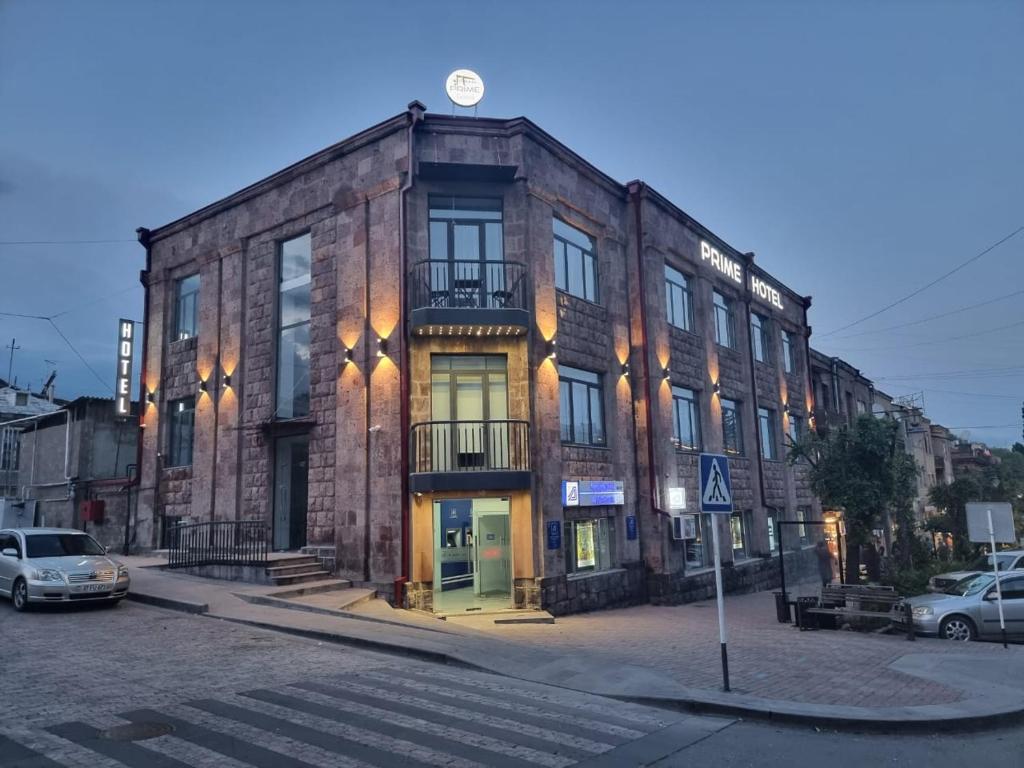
[346,357]
[226,381]
[551,349]
[151,397]
[382,347]
[716,387]
[203,386]
[785,408]
[666,373]
[625,369]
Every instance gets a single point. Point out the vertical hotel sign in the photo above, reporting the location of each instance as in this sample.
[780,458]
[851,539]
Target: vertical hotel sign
[123,387]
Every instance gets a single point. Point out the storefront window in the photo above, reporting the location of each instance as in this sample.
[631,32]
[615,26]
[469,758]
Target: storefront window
[739,542]
[802,514]
[697,541]
[772,540]
[589,545]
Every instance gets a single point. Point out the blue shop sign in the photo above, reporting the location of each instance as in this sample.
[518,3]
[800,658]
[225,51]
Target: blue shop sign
[592,493]
[631,527]
[554,535]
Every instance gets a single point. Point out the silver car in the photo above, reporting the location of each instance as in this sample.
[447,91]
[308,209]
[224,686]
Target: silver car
[57,565]
[1009,560]
[968,611]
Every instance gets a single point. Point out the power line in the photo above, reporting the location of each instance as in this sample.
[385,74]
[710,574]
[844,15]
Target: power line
[925,287]
[972,394]
[932,317]
[936,341]
[984,426]
[77,353]
[95,301]
[1015,370]
[63,242]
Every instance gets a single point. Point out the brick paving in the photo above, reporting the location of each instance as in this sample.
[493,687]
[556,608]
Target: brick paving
[236,696]
[766,659]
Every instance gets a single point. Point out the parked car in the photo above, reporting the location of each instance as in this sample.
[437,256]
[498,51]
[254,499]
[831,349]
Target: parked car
[1008,560]
[57,565]
[968,611]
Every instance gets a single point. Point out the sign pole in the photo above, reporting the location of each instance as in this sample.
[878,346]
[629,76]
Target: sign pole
[721,605]
[995,569]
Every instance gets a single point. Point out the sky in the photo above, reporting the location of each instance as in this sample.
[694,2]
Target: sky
[860,149]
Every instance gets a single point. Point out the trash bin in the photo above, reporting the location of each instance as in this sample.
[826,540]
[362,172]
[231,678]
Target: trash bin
[804,619]
[782,608]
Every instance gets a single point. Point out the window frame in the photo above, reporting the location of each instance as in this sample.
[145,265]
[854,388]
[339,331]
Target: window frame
[565,242]
[175,444]
[743,551]
[766,418]
[724,313]
[685,395]
[281,329]
[604,541]
[760,338]
[737,409]
[179,300]
[565,376]
[794,427]
[686,296]
[788,352]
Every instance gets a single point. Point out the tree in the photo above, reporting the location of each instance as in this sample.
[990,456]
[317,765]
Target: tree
[861,470]
[952,500]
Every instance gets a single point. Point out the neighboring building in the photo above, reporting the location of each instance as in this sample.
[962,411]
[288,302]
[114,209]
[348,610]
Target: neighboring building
[841,392]
[972,458]
[77,454]
[466,366]
[17,407]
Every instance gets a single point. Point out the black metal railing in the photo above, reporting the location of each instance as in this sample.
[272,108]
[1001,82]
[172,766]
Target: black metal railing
[471,446]
[468,284]
[233,542]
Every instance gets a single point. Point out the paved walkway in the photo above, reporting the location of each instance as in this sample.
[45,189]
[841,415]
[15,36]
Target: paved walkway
[669,656]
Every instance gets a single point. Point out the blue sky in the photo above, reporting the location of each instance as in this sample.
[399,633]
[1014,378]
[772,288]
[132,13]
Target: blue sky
[860,149]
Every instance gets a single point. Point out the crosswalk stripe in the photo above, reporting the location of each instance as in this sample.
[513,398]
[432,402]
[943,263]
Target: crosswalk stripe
[543,739]
[130,754]
[456,742]
[14,754]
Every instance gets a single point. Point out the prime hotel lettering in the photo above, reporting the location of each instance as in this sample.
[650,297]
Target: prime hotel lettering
[123,387]
[732,269]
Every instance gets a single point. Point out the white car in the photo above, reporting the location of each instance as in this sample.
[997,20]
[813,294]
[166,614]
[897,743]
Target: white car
[57,565]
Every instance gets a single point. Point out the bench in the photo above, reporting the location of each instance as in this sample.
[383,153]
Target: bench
[847,601]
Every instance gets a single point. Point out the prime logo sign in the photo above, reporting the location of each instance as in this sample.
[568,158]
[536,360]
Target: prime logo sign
[123,386]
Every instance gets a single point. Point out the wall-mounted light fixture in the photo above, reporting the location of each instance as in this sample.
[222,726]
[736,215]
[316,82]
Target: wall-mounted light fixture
[226,381]
[551,349]
[151,397]
[382,347]
[785,408]
[346,357]
[716,388]
[202,385]
[666,373]
[625,369]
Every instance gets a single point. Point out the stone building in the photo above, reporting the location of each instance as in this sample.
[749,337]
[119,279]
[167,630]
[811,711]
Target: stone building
[464,365]
[18,409]
[841,392]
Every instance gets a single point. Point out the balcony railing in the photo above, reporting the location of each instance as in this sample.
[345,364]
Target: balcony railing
[468,284]
[234,542]
[471,446]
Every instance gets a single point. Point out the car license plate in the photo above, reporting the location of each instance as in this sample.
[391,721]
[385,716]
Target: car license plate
[92,588]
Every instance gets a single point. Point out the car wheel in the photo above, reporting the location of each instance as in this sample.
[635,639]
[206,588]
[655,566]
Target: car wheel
[19,595]
[957,628]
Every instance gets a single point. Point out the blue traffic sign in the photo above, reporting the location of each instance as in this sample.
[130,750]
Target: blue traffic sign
[715,485]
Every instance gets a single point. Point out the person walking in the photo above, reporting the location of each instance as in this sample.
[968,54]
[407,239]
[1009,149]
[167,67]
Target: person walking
[824,563]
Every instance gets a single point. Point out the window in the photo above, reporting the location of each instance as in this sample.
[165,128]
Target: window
[766,426]
[1013,589]
[186,301]
[293,328]
[788,352]
[802,514]
[862,407]
[466,252]
[697,548]
[732,427]
[575,262]
[581,406]
[590,545]
[760,338]
[685,421]
[737,529]
[796,428]
[21,398]
[772,539]
[678,299]
[725,329]
[181,416]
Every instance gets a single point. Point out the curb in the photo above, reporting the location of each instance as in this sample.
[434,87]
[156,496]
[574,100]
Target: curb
[184,606]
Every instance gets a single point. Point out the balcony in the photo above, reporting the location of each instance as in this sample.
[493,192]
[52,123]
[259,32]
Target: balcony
[460,297]
[470,455]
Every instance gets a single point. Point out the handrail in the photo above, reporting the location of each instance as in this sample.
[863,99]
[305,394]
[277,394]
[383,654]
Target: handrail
[471,446]
[468,284]
[228,542]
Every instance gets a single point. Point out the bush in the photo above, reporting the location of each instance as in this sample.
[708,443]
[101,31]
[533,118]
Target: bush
[914,581]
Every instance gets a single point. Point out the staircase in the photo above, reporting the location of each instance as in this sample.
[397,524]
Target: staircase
[295,569]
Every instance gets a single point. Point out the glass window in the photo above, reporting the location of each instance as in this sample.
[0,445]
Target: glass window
[293,328]
[795,428]
[181,417]
[732,427]
[802,514]
[575,261]
[21,398]
[697,543]
[581,404]
[788,352]
[738,533]
[685,423]
[186,301]
[590,545]
[766,426]
[678,299]
[61,545]
[760,338]
[862,407]
[725,330]
[772,538]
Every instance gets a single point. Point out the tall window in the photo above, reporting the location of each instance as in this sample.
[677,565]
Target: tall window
[293,328]
[759,338]
[796,428]
[732,428]
[186,303]
[725,327]
[772,532]
[466,252]
[678,299]
[788,352]
[581,406]
[685,421]
[575,261]
[697,544]
[181,416]
[737,529]
[802,515]
[766,426]
[590,545]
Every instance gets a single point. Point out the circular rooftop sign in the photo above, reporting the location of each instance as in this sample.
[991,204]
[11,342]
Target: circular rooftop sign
[464,87]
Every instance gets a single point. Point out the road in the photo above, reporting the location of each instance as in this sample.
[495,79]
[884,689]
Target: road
[142,687]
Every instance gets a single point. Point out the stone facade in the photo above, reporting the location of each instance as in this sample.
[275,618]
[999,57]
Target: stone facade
[365,203]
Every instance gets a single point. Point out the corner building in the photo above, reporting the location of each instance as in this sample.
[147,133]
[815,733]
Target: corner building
[463,365]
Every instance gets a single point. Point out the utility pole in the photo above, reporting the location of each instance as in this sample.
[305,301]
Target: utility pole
[10,364]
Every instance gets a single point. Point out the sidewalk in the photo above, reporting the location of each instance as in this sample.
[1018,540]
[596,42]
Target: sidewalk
[665,656]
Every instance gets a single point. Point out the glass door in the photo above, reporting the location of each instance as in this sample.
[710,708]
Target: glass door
[469,408]
[492,550]
[291,491]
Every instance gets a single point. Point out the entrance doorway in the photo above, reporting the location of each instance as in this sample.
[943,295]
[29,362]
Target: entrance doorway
[291,491]
[472,555]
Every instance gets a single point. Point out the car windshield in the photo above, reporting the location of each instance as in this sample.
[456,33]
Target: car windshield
[971,585]
[984,563]
[61,545]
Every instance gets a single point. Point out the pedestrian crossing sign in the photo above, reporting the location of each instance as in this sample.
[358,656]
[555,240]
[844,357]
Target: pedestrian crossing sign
[715,485]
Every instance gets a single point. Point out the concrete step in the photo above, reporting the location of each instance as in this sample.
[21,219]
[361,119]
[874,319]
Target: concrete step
[311,588]
[280,559]
[507,616]
[293,570]
[299,578]
[337,600]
